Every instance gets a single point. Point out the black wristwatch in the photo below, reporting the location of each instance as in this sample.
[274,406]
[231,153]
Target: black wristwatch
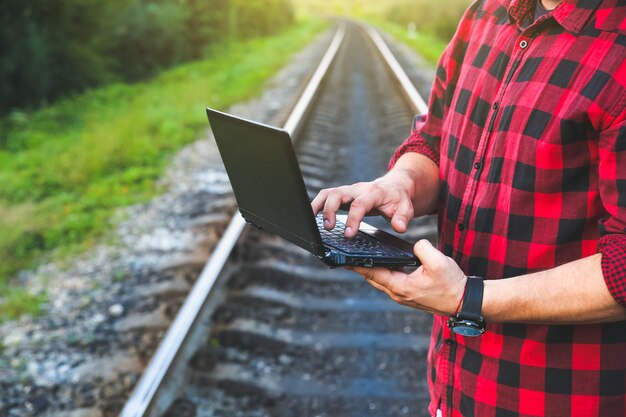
[469,321]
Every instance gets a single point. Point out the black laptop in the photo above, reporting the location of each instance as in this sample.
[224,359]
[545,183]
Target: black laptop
[263,170]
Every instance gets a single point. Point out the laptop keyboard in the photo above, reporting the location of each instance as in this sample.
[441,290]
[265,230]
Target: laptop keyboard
[360,244]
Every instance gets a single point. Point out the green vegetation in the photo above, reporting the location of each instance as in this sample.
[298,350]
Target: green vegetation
[352,8]
[439,18]
[18,301]
[53,48]
[427,44]
[66,168]
[425,25]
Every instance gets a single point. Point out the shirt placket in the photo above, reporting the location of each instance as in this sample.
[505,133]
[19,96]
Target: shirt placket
[520,49]
[445,375]
[450,346]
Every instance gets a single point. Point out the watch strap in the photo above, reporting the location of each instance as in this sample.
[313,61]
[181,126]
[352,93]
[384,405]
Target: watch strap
[473,300]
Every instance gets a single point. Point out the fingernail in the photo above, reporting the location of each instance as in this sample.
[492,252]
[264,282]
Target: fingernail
[402,221]
[326,223]
[348,230]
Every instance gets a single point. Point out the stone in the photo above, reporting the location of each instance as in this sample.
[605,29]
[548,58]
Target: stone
[152,320]
[116,310]
[80,412]
[108,368]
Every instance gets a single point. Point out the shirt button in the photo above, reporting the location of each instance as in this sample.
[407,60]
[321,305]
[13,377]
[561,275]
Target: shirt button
[477,165]
[523,44]
[461,227]
[449,342]
[496,105]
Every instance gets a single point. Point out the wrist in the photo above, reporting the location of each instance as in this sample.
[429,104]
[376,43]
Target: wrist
[421,176]
[469,321]
[460,295]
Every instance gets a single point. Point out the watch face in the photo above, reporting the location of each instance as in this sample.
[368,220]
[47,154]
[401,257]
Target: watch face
[466,327]
[465,330]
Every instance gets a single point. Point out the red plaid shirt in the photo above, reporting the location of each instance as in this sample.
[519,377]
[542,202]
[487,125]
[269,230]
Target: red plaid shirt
[527,123]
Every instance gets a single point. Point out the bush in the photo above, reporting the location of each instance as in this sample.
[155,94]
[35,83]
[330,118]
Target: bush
[50,48]
[264,17]
[149,37]
[204,28]
[53,48]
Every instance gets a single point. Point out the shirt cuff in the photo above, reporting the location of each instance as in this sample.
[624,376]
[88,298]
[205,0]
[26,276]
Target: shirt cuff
[415,143]
[613,250]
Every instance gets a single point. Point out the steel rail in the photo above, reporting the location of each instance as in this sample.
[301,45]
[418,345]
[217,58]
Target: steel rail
[143,396]
[414,97]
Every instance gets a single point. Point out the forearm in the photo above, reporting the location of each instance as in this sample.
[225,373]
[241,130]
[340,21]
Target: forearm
[423,176]
[574,293]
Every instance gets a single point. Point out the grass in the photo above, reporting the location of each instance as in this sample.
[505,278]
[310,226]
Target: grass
[426,44]
[65,169]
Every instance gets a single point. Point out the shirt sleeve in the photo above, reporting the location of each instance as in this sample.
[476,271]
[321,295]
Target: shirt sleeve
[612,176]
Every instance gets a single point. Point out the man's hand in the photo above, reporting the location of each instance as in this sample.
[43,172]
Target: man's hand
[438,285]
[394,196]
[390,196]
[435,287]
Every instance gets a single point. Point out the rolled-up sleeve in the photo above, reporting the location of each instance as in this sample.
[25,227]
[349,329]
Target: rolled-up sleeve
[416,143]
[612,176]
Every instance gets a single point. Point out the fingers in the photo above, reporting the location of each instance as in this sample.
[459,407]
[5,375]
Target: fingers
[381,278]
[318,202]
[363,199]
[360,207]
[402,216]
[384,280]
[331,206]
[436,286]
[331,200]
[358,210]
[367,273]
[338,197]
[428,255]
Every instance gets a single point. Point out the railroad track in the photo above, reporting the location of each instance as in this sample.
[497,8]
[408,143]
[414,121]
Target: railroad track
[267,329]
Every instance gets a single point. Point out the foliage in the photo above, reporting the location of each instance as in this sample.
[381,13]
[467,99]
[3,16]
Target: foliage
[149,37]
[16,301]
[48,47]
[439,18]
[207,28]
[52,48]
[66,168]
[251,17]
[429,46]
[352,8]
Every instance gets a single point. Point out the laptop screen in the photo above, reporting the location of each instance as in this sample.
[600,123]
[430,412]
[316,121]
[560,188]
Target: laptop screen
[266,178]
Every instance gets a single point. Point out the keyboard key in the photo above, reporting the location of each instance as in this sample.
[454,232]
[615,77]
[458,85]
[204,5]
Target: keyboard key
[360,244]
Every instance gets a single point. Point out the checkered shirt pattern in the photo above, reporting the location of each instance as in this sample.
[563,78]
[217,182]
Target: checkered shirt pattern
[527,123]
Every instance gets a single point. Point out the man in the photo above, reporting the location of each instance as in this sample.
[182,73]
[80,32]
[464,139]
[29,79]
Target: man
[523,156]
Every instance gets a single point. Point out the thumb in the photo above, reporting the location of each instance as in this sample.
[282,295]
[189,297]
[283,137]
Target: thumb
[427,253]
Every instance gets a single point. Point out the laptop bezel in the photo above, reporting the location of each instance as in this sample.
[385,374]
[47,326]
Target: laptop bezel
[312,242]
